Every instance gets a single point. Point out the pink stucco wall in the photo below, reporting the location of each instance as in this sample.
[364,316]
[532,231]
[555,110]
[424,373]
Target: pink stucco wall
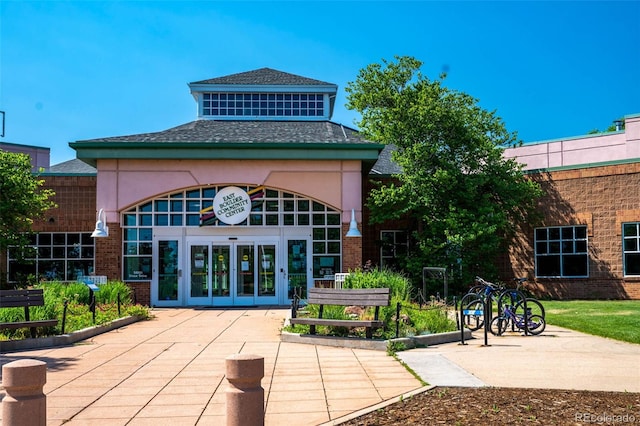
[588,149]
[122,183]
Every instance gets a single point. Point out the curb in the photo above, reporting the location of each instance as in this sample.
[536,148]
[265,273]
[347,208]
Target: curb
[380,405]
[66,339]
[377,345]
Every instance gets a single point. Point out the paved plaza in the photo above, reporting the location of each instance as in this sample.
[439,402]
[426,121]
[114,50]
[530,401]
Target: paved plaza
[170,370]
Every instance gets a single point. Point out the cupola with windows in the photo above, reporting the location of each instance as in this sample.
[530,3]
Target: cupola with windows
[264,94]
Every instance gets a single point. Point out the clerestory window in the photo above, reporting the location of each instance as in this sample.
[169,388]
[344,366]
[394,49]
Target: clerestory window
[263,104]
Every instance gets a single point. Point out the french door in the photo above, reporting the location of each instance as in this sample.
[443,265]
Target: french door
[224,273]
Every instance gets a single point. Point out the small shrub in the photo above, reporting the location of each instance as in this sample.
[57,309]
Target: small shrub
[77,298]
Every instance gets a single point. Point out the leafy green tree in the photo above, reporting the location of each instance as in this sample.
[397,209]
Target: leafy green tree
[22,200]
[464,199]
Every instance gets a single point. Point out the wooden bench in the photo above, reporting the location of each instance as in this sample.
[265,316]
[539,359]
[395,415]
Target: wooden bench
[24,298]
[369,297]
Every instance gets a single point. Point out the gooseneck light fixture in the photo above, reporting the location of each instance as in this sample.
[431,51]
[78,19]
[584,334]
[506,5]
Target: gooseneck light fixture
[102,230]
[353,226]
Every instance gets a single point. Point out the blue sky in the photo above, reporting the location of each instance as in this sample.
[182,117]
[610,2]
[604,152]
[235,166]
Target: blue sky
[74,70]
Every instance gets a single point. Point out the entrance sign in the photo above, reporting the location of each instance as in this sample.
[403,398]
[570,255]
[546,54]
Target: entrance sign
[232,205]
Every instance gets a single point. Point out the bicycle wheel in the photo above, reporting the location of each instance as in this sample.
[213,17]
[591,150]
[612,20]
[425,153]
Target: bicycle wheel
[473,315]
[535,325]
[516,299]
[498,325]
[533,306]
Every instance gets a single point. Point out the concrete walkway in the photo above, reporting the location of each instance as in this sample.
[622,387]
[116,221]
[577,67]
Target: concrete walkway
[170,370]
[556,359]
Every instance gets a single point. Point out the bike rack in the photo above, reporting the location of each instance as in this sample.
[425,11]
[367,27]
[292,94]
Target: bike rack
[487,307]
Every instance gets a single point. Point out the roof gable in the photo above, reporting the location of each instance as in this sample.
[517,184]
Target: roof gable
[264,76]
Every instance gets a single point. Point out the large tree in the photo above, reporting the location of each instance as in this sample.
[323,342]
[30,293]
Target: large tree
[22,200]
[464,198]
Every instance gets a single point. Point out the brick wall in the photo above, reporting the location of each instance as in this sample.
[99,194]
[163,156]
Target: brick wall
[602,198]
[351,250]
[76,200]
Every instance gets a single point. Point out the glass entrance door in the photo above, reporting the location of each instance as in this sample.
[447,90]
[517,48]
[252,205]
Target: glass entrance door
[232,274]
[297,268]
[167,273]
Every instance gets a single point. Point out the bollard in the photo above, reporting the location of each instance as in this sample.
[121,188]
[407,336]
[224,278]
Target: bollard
[245,395]
[24,403]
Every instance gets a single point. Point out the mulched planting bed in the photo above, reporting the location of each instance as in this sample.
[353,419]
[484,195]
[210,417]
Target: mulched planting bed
[513,406]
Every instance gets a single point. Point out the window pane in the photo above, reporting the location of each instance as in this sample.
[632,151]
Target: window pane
[137,268]
[145,248]
[630,229]
[145,234]
[630,244]
[145,220]
[272,219]
[318,219]
[176,220]
[333,233]
[162,220]
[548,266]
[87,252]
[130,234]
[129,220]
[632,264]
[162,205]
[581,232]
[289,219]
[554,233]
[333,219]
[574,265]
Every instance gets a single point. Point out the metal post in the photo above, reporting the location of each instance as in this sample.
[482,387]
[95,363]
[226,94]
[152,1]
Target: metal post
[398,320]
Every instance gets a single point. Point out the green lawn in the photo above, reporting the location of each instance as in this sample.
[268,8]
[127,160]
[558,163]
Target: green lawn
[615,319]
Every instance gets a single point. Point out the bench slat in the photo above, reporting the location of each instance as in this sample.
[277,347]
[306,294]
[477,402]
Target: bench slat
[337,323]
[18,298]
[348,297]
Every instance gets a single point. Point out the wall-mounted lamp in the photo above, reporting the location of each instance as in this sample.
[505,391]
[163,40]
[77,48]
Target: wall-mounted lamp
[353,226]
[102,230]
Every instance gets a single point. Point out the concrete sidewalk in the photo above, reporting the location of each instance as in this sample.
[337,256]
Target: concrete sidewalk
[170,370]
[556,359]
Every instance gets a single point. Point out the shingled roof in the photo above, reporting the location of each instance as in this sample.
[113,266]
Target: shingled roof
[264,76]
[242,131]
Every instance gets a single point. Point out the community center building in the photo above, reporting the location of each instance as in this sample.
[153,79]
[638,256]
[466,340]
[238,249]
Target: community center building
[262,195]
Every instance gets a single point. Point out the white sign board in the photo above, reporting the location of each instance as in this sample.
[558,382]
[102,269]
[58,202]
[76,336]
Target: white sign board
[232,205]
